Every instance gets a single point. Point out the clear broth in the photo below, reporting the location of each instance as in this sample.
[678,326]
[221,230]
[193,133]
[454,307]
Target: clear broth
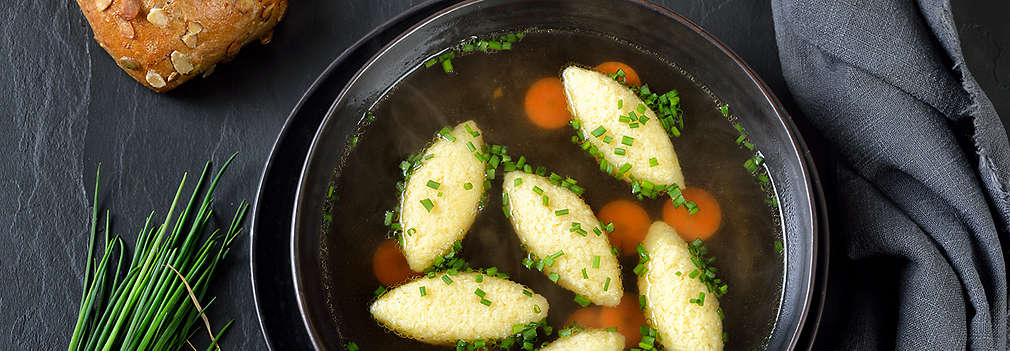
[427,99]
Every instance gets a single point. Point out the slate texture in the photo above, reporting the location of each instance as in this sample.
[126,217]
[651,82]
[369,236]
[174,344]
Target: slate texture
[67,107]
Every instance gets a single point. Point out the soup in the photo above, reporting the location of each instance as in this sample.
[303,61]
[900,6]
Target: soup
[490,90]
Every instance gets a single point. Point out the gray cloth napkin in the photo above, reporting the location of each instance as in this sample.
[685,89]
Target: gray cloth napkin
[920,168]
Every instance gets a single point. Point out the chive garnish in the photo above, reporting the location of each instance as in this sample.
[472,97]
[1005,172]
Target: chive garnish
[653,162]
[433,184]
[469,145]
[517,182]
[446,279]
[527,293]
[626,140]
[446,133]
[582,300]
[447,66]
[430,62]
[619,151]
[537,190]
[584,274]
[428,205]
[424,291]
[620,102]
[599,131]
[633,125]
[553,277]
[596,261]
[485,302]
[471,131]
[545,200]
[606,285]
[640,108]
[467,186]
[561,212]
[536,308]
[479,292]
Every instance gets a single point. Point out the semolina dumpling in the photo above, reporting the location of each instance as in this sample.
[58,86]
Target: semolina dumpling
[684,325]
[588,340]
[598,102]
[451,310]
[437,207]
[566,231]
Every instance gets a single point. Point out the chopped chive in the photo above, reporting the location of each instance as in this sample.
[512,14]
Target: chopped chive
[725,110]
[606,285]
[446,279]
[424,291]
[584,274]
[640,269]
[626,140]
[633,125]
[641,301]
[640,108]
[380,290]
[596,261]
[561,212]
[545,200]
[620,102]
[428,205]
[517,182]
[471,131]
[447,66]
[620,151]
[536,308]
[582,300]
[624,168]
[599,131]
[479,292]
[537,190]
[607,139]
[467,186]
[447,134]
[485,302]
[479,278]
[433,184]
[430,62]
[778,246]
[554,277]
[527,293]
[469,145]
[653,162]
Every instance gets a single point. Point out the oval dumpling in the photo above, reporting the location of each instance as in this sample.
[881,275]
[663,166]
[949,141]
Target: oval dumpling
[598,102]
[453,311]
[588,340]
[684,325]
[582,258]
[437,207]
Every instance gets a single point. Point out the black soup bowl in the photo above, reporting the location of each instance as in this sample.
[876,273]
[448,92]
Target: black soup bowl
[328,256]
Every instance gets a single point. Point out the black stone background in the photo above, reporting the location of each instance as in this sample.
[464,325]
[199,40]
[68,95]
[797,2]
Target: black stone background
[67,107]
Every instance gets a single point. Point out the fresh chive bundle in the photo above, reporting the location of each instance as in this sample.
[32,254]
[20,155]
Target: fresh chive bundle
[156,300]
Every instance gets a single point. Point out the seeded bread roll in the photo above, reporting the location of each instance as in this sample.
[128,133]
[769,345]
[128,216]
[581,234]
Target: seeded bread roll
[164,43]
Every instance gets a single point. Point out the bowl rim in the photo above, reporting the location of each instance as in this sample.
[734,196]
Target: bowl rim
[810,183]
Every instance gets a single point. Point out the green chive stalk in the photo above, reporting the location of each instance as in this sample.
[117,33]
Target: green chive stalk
[157,300]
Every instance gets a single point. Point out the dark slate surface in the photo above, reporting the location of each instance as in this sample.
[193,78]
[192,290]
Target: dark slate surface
[66,108]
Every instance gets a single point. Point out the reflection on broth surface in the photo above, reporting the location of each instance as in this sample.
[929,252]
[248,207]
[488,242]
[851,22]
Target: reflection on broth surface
[491,90]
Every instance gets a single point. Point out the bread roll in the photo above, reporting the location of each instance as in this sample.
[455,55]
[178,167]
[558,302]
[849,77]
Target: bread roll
[164,43]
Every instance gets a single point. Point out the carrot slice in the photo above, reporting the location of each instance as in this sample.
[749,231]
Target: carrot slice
[631,223]
[611,67]
[626,316]
[588,317]
[546,105]
[389,265]
[700,225]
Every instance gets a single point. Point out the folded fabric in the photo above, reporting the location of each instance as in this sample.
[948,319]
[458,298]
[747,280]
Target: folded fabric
[920,169]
